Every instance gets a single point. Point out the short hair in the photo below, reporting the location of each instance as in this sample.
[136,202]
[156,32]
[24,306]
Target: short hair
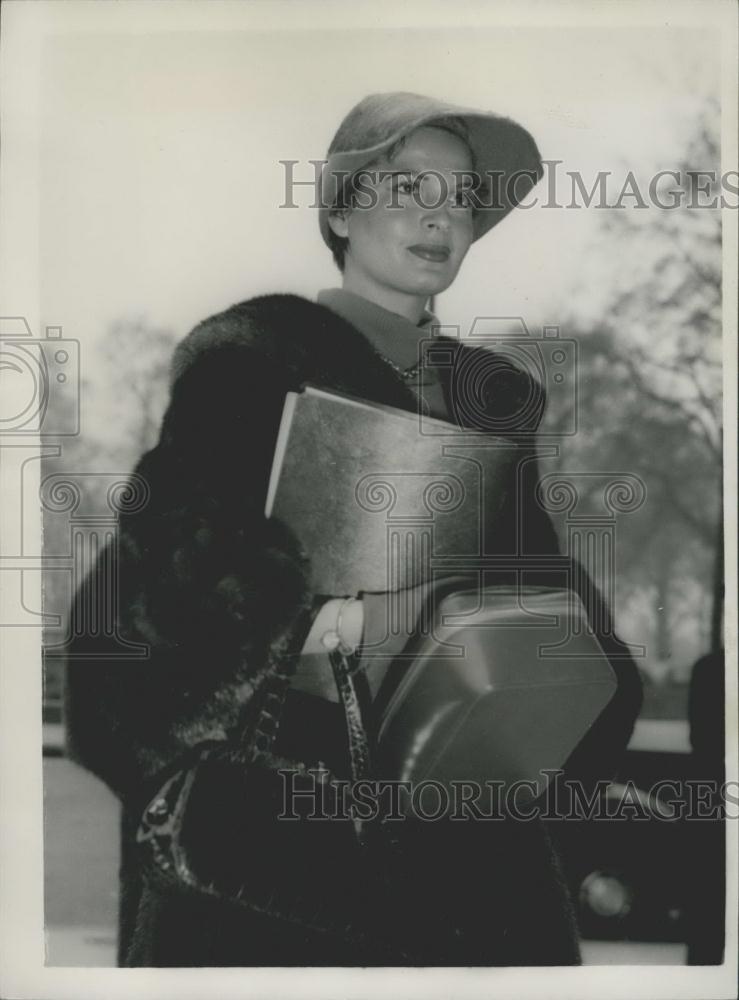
[451,123]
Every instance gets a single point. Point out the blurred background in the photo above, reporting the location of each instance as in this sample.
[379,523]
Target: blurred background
[161,195]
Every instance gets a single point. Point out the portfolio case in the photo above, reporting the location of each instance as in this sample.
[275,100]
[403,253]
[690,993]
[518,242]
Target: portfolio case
[503,688]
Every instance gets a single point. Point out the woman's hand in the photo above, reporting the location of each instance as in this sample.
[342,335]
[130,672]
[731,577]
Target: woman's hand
[352,624]
[379,624]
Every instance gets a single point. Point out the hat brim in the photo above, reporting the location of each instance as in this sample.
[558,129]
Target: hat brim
[504,153]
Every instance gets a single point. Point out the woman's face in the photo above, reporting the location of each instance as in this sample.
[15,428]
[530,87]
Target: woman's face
[410,226]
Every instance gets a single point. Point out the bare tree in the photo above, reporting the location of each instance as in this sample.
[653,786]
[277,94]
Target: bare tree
[136,358]
[121,413]
[650,383]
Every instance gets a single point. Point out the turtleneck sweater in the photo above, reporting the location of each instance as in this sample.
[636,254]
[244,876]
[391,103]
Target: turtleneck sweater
[397,340]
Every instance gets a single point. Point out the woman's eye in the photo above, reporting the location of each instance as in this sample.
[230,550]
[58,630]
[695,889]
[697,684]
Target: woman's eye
[429,195]
[405,186]
[464,199]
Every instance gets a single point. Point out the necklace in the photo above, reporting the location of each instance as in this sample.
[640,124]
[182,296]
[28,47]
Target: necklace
[405,373]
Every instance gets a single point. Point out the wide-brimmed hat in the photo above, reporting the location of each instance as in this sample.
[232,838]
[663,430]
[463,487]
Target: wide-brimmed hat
[501,148]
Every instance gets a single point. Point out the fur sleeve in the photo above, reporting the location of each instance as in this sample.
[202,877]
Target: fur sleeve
[216,591]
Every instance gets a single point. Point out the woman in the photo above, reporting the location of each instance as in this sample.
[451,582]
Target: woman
[221,596]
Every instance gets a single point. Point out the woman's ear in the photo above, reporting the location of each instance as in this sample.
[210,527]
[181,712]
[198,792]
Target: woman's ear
[338,220]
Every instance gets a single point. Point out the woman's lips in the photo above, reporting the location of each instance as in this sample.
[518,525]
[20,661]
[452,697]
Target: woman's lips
[436,253]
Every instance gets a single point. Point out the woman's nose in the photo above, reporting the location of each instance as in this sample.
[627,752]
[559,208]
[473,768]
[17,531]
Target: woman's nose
[438,218]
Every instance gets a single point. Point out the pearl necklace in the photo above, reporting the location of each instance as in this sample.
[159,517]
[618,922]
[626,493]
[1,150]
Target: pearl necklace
[405,373]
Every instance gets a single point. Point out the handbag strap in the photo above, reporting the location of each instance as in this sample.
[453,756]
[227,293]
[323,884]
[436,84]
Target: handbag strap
[260,729]
[344,666]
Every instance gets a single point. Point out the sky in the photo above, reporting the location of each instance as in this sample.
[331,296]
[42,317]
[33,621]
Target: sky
[161,186]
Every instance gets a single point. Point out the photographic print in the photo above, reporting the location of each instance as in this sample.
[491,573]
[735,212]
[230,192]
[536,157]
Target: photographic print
[368,525]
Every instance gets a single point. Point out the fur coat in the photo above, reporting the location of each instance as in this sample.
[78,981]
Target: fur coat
[219,595]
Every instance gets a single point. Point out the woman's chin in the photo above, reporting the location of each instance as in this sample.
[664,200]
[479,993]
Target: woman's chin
[428,284]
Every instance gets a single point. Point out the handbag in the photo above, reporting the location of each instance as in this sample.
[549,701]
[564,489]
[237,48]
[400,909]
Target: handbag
[222,826]
[217,826]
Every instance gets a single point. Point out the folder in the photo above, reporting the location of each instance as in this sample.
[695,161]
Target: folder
[374,494]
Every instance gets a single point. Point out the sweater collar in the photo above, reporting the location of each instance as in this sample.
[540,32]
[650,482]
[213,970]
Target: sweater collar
[394,336]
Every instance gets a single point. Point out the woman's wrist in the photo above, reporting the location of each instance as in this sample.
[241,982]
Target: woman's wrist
[351,623]
[341,617]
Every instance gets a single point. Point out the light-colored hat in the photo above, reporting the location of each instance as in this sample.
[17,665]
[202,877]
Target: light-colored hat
[499,146]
